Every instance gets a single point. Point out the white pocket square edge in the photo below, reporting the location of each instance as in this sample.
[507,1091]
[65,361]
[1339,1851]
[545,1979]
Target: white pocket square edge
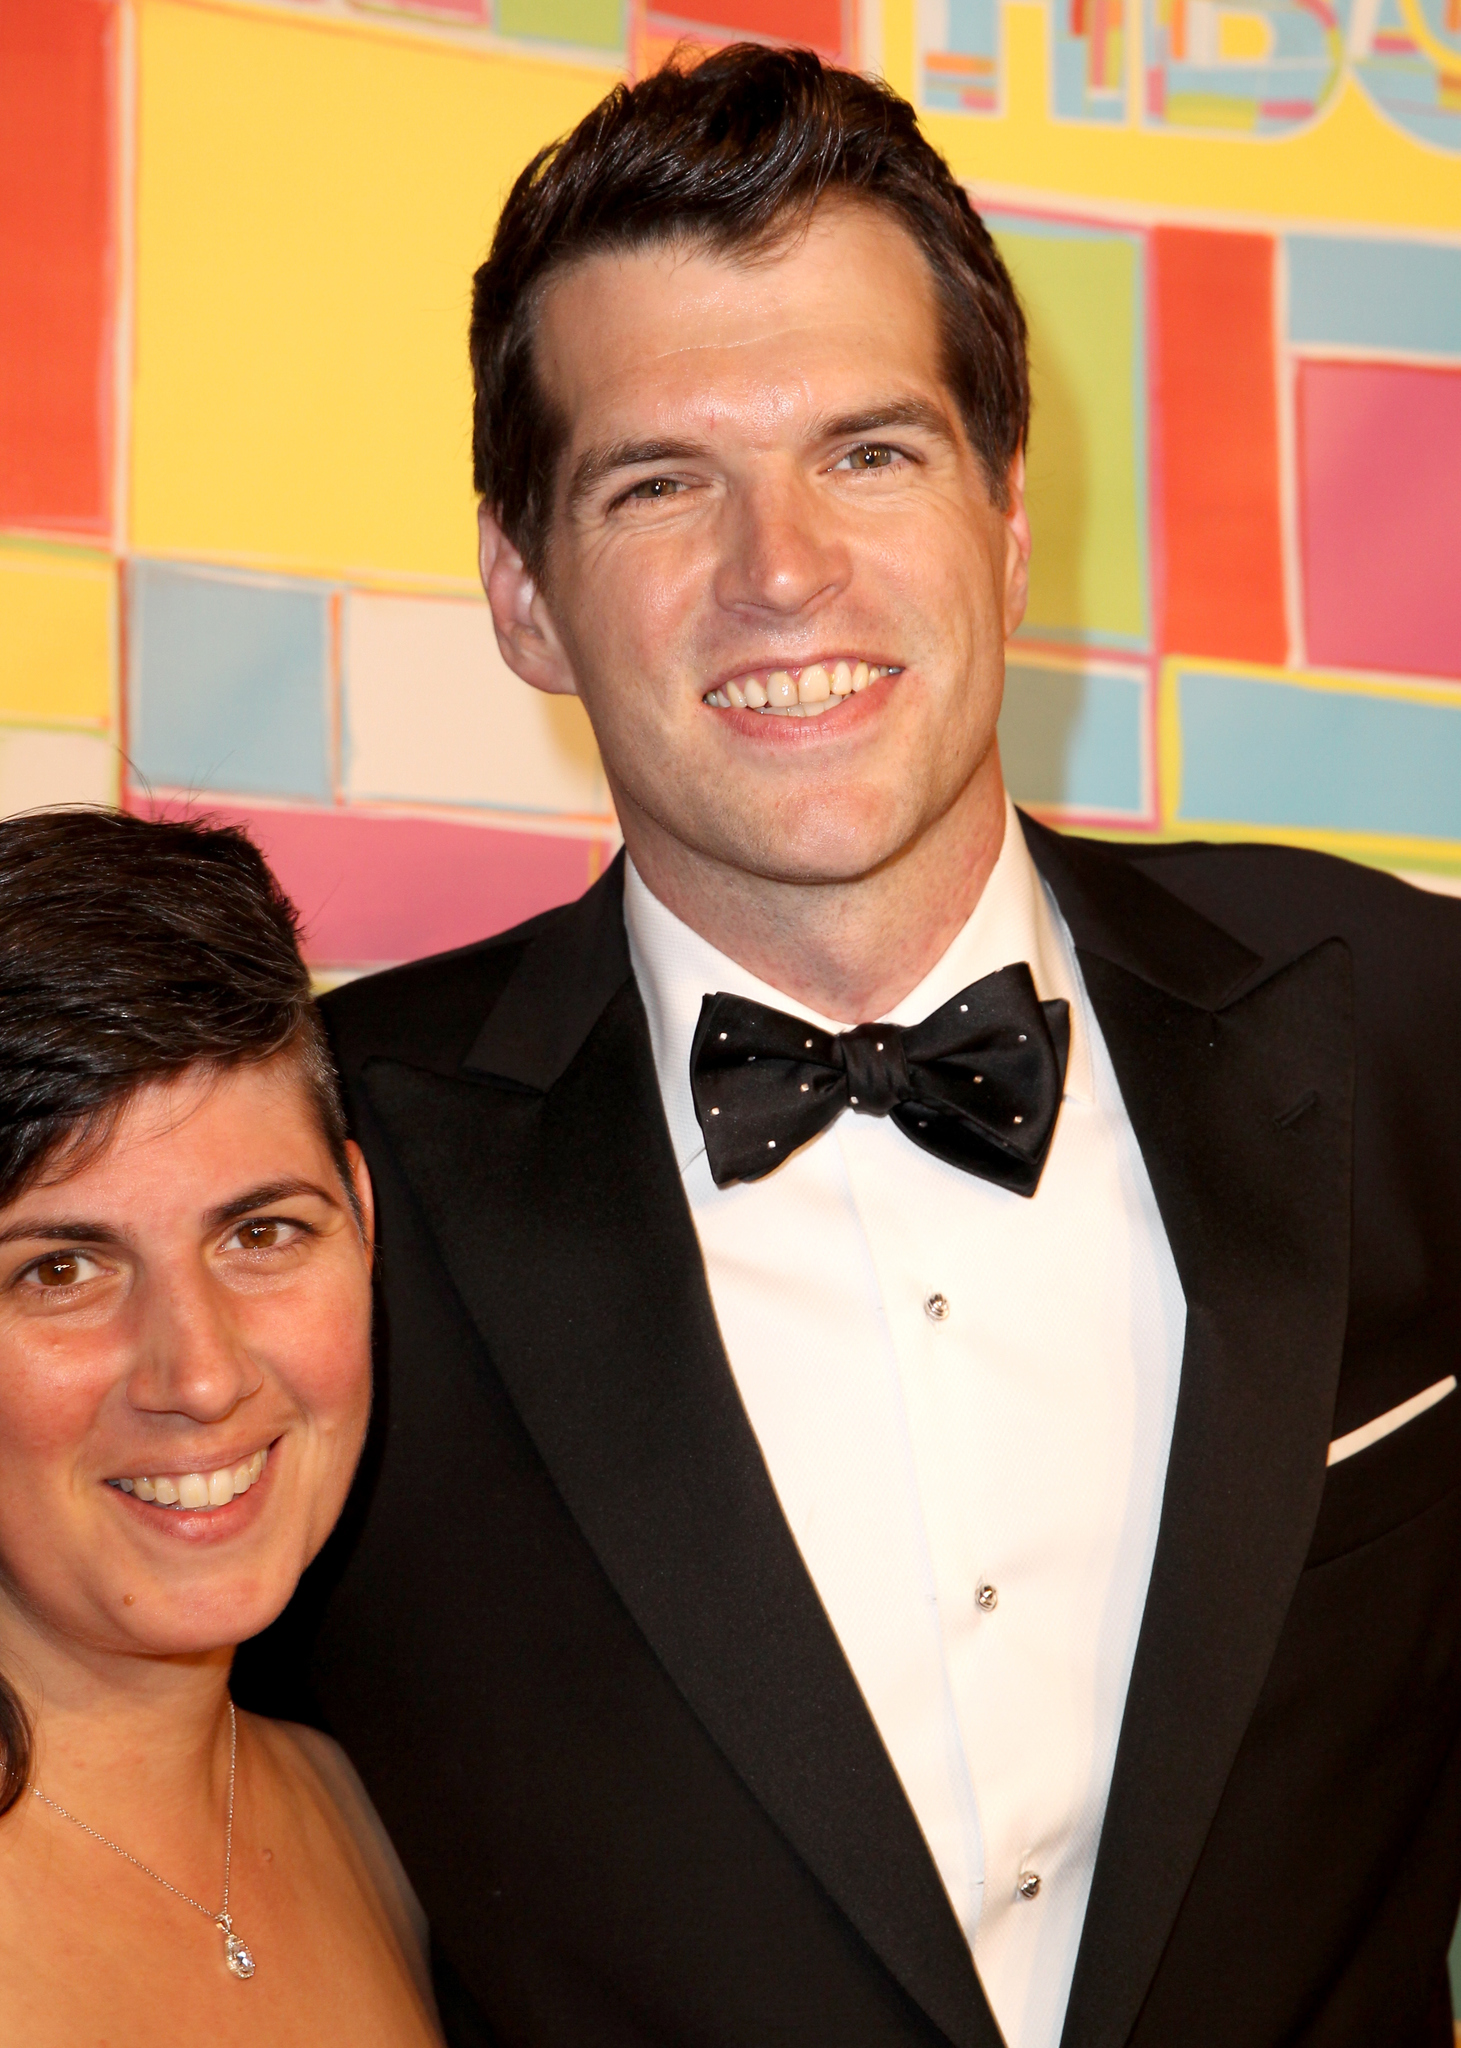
[1394,1418]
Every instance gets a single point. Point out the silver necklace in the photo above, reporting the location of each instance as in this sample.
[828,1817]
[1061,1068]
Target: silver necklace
[238,1956]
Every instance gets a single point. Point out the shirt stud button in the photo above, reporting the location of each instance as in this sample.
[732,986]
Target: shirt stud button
[987,1597]
[1028,1886]
[936,1308]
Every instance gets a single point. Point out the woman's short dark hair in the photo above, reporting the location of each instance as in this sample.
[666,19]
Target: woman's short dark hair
[131,950]
[733,153]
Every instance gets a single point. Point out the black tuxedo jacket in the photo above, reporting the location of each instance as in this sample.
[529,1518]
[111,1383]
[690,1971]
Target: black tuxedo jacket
[569,1641]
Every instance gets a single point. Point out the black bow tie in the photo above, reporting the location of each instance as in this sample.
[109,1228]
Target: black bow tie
[978,1083]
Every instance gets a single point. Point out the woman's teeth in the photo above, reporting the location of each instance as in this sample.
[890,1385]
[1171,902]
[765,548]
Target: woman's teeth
[197,1489]
[797,693]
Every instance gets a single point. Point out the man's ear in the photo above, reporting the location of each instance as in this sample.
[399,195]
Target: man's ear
[1017,546]
[525,631]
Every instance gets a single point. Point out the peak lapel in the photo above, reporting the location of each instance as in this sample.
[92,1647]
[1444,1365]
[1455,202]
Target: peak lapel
[559,1211]
[1213,1048]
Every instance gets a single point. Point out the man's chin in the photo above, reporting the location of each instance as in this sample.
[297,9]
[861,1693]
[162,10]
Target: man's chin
[829,858]
[824,839]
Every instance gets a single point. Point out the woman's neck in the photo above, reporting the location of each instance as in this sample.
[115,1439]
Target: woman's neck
[119,1732]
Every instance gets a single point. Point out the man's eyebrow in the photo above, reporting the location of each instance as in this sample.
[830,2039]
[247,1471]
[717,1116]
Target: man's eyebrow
[597,463]
[87,1230]
[879,419]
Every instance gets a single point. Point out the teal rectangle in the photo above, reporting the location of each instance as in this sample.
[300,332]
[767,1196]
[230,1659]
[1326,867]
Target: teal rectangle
[228,683]
[1268,753]
[1074,738]
[1365,293]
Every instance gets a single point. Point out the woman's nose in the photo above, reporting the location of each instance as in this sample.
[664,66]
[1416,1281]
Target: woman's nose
[782,553]
[192,1358]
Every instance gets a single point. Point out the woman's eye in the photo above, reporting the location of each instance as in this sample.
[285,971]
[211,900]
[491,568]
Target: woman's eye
[263,1234]
[63,1269]
[872,455]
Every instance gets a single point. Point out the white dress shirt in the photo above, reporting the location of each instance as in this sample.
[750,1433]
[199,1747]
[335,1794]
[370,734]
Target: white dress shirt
[975,1495]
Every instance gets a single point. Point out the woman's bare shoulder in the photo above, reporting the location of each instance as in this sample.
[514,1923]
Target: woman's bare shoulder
[300,1750]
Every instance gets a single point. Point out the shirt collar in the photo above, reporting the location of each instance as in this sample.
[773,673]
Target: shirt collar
[1016,918]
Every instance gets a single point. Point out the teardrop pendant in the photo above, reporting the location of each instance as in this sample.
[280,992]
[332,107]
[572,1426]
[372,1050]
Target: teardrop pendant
[237,1954]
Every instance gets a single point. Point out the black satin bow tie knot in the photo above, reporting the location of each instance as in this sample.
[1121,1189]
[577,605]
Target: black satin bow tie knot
[978,1083]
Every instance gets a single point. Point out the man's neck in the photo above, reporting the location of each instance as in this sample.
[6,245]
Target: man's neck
[850,950]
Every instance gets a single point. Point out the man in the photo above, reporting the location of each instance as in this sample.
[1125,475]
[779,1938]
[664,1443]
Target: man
[915,1490]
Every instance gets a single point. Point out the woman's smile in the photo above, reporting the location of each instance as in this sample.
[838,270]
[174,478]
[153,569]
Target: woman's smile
[199,1506]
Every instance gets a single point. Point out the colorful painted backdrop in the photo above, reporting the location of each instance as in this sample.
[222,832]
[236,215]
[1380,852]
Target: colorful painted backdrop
[236,526]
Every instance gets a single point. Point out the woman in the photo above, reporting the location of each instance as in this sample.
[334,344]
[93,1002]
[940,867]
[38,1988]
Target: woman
[185,1259]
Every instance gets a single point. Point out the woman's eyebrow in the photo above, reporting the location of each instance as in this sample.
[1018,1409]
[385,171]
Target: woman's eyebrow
[86,1230]
[56,1230]
[263,1196]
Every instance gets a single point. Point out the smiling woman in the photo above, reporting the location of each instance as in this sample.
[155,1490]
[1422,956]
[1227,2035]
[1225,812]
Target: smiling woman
[185,1264]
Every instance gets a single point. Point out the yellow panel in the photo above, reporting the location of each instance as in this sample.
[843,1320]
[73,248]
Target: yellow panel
[312,200]
[1086,481]
[57,634]
[1243,37]
[1350,164]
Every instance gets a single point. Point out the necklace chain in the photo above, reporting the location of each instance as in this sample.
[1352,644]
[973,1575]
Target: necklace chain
[221,1919]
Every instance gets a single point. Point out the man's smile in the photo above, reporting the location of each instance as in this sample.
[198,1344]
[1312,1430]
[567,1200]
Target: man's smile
[798,692]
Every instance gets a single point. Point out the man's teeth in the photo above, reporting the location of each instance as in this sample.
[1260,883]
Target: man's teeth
[799,693]
[196,1489]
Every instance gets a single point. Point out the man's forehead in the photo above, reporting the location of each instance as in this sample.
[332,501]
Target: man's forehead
[826,321]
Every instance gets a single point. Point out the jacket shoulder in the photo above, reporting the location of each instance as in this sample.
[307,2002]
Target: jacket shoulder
[428,1012]
[1283,899]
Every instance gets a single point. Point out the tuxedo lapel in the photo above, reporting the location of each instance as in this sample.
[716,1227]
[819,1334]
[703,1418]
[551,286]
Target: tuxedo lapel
[545,1172]
[1237,1076]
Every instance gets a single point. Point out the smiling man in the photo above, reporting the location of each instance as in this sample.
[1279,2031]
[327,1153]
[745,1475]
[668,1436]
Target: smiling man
[915,1493]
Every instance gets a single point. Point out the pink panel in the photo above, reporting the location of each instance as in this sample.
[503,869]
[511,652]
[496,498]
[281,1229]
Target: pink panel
[372,889]
[1380,505]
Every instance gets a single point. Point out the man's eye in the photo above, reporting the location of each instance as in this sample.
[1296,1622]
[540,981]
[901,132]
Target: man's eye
[654,487]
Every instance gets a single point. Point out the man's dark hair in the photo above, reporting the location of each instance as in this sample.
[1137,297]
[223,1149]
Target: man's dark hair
[131,950]
[732,153]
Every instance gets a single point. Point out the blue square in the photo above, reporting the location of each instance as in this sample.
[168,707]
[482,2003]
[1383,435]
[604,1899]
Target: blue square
[1074,740]
[228,686]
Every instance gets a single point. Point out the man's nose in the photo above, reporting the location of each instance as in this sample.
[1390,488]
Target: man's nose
[192,1358]
[782,551]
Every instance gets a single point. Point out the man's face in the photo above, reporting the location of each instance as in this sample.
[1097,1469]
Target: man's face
[765,476]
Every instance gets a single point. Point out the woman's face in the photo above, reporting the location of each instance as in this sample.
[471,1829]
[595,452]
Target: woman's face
[189,1307]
